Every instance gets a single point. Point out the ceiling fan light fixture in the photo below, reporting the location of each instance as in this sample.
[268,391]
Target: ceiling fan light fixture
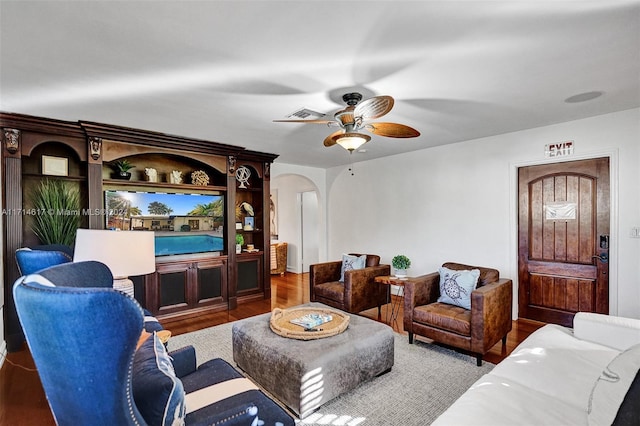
[352,141]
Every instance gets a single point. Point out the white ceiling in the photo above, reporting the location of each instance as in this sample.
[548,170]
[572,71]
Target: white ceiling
[223,70]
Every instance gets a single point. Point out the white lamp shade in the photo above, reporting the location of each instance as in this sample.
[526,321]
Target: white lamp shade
[352,141]
[126,253]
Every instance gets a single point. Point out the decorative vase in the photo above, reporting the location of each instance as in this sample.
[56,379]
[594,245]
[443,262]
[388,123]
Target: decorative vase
[122,175]
[401,273]
[238,248]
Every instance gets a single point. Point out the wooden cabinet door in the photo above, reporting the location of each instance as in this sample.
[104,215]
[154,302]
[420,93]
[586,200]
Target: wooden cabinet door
[211,278]
[563,240]
[172,286]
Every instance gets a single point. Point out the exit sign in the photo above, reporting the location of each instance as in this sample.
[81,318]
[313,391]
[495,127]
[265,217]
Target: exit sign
[560,149]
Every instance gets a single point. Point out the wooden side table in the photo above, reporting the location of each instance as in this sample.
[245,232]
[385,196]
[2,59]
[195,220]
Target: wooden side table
[392,316]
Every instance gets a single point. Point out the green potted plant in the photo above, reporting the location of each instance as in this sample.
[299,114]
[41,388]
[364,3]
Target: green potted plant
[239,243]
[56,207]
[401,263]
[121,169]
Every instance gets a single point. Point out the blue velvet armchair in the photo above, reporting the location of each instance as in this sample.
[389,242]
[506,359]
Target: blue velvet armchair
[34,259]
[85,339]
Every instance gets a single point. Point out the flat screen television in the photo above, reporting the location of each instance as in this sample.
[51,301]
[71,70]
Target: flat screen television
[183,223]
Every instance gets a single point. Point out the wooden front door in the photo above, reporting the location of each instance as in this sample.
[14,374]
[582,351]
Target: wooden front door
[563,240]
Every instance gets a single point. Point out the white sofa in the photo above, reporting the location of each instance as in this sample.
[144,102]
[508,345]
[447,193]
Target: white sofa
[550,377]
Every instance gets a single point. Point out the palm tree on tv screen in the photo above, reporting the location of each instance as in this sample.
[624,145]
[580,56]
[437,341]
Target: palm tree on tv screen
[214,208]
[156,207]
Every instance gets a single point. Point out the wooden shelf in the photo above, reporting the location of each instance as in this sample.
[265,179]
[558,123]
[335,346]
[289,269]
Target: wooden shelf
[163,185]
[67,178]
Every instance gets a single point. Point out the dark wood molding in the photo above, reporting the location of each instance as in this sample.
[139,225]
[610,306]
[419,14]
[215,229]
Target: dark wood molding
[13,224]
[43,125]
[157,139]
[95,149]
[11,140]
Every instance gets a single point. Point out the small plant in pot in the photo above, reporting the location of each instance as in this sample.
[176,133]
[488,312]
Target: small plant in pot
[239,243]
[401,263]
[121,169]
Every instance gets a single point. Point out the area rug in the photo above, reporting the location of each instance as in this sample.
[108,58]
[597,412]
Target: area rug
[424,381]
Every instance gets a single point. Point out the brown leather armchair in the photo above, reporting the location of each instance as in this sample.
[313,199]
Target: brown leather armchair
[359,290]
[476,330]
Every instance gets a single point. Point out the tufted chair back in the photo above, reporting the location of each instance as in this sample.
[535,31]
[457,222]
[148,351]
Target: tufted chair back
[80,337]
[34,259]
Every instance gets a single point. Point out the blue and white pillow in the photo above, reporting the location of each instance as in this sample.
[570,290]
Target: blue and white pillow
[157,392]
[456,286]
[352,262]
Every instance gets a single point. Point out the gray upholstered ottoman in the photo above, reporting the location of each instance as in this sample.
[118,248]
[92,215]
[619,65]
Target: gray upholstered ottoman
[304,374]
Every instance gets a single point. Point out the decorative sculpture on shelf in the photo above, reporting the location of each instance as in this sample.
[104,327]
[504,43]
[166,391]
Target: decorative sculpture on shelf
[199,177]
[152,174]
[242,175]
[175,176]
[247,208]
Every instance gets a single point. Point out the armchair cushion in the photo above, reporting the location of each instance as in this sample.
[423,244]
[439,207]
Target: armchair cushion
[456,286]
[444,316]
[351,262]
[157,392]
[333,290]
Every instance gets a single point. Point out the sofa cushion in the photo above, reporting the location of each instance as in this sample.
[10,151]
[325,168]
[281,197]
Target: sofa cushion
[352,262]
[611,387]
[552,353]
[157,392]
[456,286]
[496,401]
[217,371]
[445,317]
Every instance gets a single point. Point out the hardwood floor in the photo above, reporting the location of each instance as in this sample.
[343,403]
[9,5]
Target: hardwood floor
[23,402]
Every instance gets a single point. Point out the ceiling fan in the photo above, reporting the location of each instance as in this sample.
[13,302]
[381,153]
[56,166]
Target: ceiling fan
[355,117]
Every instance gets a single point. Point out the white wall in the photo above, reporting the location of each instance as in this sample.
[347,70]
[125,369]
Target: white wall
[458,202]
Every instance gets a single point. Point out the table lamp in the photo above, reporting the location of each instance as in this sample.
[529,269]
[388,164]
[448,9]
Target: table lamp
[126,253]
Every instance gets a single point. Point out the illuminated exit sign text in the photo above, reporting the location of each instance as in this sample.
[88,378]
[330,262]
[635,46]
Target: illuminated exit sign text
[560,149]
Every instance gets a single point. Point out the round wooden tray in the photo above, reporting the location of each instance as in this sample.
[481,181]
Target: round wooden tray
[281,325]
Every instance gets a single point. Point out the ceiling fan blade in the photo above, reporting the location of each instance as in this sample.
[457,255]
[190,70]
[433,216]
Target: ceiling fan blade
[305,121]
[374,107]
[330,140]
[392,130]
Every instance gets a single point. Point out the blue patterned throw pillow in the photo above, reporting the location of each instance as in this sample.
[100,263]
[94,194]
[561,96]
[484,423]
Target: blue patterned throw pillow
[456,286]
[157,392]
[352,262]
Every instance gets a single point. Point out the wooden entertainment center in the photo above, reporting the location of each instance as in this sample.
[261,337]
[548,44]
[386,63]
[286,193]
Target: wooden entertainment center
[183,284]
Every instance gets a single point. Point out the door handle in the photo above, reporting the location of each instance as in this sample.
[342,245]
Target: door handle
[604,258]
